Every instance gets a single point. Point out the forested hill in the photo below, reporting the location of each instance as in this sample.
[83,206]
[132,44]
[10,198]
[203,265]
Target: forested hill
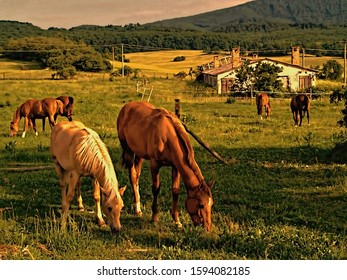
[292,12]
[269,27]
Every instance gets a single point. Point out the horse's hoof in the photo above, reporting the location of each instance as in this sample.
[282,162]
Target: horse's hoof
[81,209]
[155,219]
[179,225]
[139,214]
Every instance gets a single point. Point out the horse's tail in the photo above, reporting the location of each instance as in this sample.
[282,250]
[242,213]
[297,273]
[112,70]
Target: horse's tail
[71,100]
[183,135]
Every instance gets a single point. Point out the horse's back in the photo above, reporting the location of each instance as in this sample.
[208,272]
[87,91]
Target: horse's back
[300,102]
[64,140]
[144,128]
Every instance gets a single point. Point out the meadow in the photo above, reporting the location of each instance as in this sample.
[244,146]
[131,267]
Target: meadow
[279,197]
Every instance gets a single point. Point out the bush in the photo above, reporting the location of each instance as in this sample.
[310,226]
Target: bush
[179,58]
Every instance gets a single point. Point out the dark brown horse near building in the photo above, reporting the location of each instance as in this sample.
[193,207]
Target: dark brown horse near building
[155,134]
[299,105]
[262,102]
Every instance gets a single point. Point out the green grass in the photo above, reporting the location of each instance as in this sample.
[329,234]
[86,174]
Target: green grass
[282,198]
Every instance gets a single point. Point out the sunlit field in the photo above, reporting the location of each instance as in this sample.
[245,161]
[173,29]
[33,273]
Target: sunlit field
[280,196]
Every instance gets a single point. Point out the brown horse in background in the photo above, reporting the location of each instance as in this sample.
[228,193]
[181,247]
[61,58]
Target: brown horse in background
[147,132]
[262,101]
[47,107]
[24,110]
[299,105]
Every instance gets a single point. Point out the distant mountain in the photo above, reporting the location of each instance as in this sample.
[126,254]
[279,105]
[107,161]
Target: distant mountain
[289,12]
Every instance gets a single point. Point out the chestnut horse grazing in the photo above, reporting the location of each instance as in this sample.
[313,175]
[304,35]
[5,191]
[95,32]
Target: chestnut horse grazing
[78,151]
[262,101]
[47,107]
[22,112]
[147,132]
[299,105]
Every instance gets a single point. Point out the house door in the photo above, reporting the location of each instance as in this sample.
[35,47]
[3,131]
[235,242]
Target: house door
[305,82]
[226,85]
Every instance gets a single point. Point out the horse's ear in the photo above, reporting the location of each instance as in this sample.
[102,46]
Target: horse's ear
[122,190]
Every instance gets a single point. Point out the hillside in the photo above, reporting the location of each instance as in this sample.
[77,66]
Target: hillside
[316,12]
[269,27]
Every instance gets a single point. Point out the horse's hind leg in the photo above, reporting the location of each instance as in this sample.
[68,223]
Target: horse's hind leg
[155,189]
[134,175]
[96,194]
[26,124]
[175,194]
[79,196]
[73,181]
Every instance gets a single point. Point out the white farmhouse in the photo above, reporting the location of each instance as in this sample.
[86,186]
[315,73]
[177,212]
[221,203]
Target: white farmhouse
[294,77]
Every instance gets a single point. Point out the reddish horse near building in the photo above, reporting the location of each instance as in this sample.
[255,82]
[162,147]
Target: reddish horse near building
[299,105]
[262,102]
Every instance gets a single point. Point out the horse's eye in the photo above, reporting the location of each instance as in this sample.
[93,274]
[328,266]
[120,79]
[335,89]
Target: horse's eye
[109,209]
[201,206]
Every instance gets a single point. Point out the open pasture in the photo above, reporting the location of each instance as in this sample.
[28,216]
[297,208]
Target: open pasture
[280,197]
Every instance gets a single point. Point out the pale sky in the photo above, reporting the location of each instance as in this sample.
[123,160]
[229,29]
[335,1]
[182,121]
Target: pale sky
[70,13]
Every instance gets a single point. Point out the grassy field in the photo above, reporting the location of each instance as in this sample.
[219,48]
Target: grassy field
[280,196]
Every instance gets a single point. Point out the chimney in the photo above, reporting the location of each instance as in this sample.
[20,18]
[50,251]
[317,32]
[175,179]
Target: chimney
[235,57]
[254,56]
[296,55]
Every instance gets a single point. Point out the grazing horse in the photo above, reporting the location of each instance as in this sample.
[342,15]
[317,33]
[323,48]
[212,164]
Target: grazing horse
[78,151]
[69,106]
[262,101]
[22,112]
[147,132]
[299,105]
[47,107]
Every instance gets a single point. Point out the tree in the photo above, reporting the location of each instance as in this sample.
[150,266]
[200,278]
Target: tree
[332,70]
[265,77]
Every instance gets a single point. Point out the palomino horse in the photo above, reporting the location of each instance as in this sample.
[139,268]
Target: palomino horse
[262,101]
[300,104]
[78,151]
[22,112]
[147,132]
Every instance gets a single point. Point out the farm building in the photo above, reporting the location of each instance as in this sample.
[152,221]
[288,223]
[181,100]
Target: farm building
[294,77]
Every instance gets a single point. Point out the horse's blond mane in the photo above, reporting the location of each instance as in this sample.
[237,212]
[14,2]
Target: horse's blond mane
[183,136]
[94,156]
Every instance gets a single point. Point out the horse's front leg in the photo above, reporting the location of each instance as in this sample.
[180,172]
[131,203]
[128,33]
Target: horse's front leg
[73,180]
[96,194]
[300,117]
[175,194]
[25,128]
[51,121]
[134,175]
[155,189]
